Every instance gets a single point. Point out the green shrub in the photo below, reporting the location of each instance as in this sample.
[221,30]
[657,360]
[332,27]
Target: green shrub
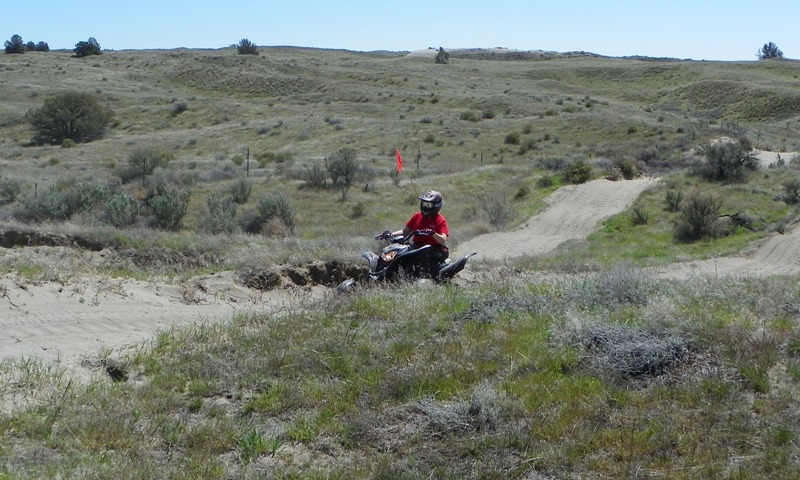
[357,211]
[545,181]
[469,116]
[578,172]
[554,164]
[791,191]
[442,56]
[726,162]
[626,168]
[527,145]
[179,108]
[169,206]
[315,176]
[240,191]
[672,200]
[640,216]
[698,216]
[142,162]
[84,196]
[48,205]
[72,115]
[512,139]
[275,206]
[10,189]
[121,210]
[221,217]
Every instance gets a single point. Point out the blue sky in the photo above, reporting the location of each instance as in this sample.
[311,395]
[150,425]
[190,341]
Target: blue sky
[691,29]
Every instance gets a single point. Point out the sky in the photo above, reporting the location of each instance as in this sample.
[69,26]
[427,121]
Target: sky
[685,29]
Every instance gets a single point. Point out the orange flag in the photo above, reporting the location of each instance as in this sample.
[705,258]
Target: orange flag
[399,160]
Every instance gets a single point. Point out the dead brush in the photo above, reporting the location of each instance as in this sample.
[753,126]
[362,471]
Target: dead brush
[625,351]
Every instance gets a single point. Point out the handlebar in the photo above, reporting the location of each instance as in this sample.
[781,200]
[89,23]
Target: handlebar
[387,235]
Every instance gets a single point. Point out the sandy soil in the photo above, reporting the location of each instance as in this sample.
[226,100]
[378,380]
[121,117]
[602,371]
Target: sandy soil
[75,321]
[70,322]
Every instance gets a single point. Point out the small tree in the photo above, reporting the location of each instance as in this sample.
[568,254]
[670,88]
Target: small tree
[246,47]
[71,115]
[15,45]
[30,46]
[42,47]
[89,47]
[769,50]
[442,57]
[342,169]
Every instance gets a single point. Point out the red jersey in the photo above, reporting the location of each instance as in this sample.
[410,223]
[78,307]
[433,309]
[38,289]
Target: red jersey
[420,222]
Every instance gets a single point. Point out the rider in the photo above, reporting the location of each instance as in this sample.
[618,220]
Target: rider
[429,224]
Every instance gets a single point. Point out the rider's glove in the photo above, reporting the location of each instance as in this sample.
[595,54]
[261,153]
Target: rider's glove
[427,232]
[385,235]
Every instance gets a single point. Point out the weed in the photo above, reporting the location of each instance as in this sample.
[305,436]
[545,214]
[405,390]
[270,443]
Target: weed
[253,444]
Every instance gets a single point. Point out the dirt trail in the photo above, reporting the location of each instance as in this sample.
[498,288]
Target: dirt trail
[573,212]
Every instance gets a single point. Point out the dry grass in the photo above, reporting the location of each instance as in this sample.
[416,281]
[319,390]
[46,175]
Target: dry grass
[502,380]
[291,108]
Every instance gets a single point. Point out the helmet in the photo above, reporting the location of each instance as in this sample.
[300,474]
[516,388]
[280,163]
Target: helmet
[430,202]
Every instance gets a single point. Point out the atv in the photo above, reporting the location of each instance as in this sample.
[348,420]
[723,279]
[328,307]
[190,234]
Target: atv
[401,259]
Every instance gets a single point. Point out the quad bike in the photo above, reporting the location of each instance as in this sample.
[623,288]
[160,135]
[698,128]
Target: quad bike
[401,259]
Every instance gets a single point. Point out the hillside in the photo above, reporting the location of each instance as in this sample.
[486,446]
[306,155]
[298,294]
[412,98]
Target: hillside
[289,108]
[587,339]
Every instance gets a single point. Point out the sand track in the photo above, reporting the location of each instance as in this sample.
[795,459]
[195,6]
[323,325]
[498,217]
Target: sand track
[573,212]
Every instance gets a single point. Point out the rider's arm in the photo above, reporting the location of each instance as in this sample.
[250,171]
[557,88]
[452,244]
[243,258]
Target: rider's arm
[440,238]
[405,231]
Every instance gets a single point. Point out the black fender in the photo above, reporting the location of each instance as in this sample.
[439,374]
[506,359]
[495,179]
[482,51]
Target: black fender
[449,270]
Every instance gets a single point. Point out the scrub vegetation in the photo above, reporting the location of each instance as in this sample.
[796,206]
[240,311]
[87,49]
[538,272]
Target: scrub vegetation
[581,363]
